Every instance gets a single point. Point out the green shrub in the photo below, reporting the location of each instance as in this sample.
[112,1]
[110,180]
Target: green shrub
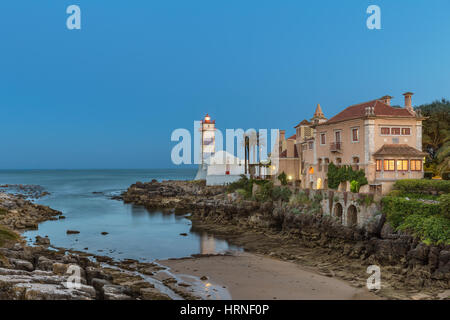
[397,209]
[243,193]
[283,178]
[337,175]
[242,183]
[444,204]
[403,194]
[430,229]
[264,192]
[354,186]
[423,186]
[281,193]
[299,198]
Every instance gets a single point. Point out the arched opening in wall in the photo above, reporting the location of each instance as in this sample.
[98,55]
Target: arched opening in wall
[319,183]
[338,212]
[352,216]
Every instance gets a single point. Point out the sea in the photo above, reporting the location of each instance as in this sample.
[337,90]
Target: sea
[133,232]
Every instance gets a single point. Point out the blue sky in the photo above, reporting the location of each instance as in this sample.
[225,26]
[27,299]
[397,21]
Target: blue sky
[110,94]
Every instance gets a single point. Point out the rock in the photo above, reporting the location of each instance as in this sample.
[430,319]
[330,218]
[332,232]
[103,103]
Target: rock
[153,294]
[421,296]
[44,264]
[60,268]
[204,278]
[72,231]
[98,284]
[22,264]
[104,233]
[375,225]
[183,234]
[42,241]
[387,232]
[444,295]
[418,255]
[115,292]
[444,261]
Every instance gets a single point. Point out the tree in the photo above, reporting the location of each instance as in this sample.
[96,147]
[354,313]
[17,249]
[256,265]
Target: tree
[436,135]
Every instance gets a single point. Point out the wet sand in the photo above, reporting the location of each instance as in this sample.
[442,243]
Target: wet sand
[256,277]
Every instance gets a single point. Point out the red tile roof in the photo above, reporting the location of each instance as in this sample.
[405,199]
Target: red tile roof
[399,150]
[293,137]
[359,111]
[303,123]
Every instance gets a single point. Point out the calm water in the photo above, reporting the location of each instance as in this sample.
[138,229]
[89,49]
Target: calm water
[134,232]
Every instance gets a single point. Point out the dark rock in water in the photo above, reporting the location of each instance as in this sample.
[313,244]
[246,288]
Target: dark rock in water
[27,191]
[62,217]
[183,234]
[104,233]
[72,231]
[42,241]
[204,278]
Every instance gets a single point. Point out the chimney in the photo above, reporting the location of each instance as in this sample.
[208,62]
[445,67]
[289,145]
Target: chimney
[408,102]
[282,135]
[386,100]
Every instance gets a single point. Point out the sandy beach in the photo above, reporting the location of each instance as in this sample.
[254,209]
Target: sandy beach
[256,277]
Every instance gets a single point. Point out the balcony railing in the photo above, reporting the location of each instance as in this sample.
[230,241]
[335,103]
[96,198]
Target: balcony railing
[336,147]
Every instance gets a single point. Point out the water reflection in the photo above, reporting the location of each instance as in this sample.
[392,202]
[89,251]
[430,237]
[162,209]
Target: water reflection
[207,244]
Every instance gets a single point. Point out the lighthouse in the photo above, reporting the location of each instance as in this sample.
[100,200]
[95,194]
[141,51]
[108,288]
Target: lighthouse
[207,143]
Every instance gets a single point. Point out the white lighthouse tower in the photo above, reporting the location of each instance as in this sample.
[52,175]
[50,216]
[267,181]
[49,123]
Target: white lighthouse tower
[208,145]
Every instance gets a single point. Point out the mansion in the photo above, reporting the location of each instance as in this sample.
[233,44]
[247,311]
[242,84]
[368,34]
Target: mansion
[384,141]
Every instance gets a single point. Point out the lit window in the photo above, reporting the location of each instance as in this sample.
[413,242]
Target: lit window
[355,135]
[389,165]
[416,165]
[395,131]
[385,131]
[379,163]
[406,131]
[402,165]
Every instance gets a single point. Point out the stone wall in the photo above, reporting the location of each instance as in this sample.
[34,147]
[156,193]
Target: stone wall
[346,207]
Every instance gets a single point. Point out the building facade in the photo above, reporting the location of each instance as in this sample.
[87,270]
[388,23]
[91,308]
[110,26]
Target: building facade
[384,141]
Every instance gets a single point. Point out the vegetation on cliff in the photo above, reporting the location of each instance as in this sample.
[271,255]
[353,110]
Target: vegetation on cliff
[265,191]
[420,207]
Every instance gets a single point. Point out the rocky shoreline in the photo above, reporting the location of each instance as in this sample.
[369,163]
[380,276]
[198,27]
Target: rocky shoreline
[44,272]
[410,269]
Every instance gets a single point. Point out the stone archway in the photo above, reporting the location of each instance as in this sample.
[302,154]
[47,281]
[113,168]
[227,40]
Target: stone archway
[337,211]
[352,216]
